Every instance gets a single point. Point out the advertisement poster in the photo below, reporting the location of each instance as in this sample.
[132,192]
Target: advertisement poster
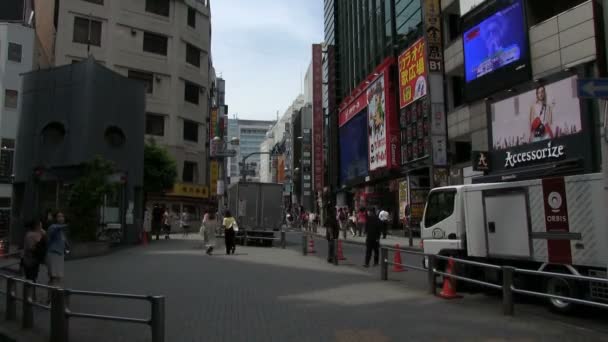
[418,201]
[318,119]
[432,24]
[412,74]
[496,42]
[377,124]
[403,198]
[547,112]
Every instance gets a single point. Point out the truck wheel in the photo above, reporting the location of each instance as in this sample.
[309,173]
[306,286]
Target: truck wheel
[561,287]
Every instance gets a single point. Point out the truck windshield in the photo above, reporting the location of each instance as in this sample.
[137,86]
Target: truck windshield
[440,206]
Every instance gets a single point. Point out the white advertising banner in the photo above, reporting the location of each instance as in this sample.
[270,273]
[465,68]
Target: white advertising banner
[377,124]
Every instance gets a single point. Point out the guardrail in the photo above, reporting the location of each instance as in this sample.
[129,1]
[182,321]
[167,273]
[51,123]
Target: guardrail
[507,272]
[245,238]
[60,311]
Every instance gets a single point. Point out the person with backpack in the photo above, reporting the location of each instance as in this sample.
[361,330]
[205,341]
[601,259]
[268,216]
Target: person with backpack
[34,250]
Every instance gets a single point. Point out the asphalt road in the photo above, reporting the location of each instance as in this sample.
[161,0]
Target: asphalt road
[271,294]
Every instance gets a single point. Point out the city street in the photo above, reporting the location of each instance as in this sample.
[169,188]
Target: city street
[271,294]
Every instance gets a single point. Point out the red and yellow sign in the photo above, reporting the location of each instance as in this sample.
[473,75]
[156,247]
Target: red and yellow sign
[412,74]
[189,190]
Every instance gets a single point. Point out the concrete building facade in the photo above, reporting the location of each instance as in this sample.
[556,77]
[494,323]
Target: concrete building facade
[16,57]
[166,45]
[251,133]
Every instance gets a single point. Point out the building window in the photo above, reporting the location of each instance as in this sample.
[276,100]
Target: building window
[190,173]
[155,124]
[193,55]
[14,52]
[160,7]
[457,91]
[155,43]
[191,93]
[191,17]
[99,2]
[190,131]
[454,27]
[146,77]
[11,98]
[87,31]
[115,137]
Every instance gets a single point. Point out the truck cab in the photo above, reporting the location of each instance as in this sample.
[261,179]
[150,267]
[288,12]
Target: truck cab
[442,227]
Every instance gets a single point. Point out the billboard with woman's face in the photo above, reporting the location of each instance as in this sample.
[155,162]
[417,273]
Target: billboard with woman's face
[548,112]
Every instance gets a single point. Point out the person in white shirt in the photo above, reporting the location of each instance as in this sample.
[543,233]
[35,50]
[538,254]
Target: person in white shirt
[312,224]
[384,218]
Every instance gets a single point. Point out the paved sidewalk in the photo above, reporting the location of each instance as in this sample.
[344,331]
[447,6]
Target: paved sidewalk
[390,241]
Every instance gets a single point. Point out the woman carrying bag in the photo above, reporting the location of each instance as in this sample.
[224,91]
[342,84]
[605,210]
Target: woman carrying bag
[208,230]
[230,229]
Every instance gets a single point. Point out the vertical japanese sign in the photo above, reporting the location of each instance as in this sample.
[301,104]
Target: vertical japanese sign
[317,117]
[213,123]
[432,32]
[376,111]
[215,174]
[412,74]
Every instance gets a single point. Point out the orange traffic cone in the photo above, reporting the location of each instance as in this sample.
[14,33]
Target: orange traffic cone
[340,252]
[448,291]
[311,245]
[397,261]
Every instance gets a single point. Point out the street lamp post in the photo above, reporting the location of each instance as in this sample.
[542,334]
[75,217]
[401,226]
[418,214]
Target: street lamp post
[244,160]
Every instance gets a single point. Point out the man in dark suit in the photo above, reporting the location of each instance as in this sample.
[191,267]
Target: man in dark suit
[332,232]
[372,242]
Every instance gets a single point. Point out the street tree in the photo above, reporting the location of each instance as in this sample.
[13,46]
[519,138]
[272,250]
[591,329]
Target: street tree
[160,170]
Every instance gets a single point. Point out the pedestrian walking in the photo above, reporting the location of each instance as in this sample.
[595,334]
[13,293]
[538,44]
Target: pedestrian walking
[352,223]
[147,226]
[372,241]
[208,230]
[361,221]
[342,221]
[304,220]
[312,222]
[34,250]
[384,217]
[184,223]
[57,248]
[157,220]
[230,229]
[166,224]
[332,232]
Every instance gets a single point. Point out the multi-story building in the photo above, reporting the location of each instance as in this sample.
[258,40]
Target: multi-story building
[362,42]
[494,113]
[17,45]
[162,43]
[251,133]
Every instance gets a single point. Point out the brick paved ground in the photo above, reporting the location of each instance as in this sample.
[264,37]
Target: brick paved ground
[264,294]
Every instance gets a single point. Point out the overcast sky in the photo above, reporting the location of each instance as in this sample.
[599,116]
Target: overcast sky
[262,49]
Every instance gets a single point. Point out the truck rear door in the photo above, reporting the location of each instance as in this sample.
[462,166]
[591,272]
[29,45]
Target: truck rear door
[507,225]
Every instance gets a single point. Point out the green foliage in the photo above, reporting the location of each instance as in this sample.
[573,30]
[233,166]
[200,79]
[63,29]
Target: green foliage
[86,196]
[160,170]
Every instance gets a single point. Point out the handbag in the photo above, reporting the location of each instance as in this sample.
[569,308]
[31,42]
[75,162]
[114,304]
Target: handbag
[234,226]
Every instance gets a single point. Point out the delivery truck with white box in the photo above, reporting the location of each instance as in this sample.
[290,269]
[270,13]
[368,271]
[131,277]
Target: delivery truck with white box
[553,224]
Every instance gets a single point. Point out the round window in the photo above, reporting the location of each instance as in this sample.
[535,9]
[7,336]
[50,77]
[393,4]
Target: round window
[53,133]
[114,136]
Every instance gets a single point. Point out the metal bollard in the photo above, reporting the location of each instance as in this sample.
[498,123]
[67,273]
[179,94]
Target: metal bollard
[245,238]
[304,244]
[11,301]
[384,265]
[432,280]
[507,292]
[59,319]
[411,236]
[27,319]
[283,239]
[157,321]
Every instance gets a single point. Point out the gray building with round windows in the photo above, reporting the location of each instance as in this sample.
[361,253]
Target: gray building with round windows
[70,115]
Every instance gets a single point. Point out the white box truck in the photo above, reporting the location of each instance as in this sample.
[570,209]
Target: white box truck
[553,224]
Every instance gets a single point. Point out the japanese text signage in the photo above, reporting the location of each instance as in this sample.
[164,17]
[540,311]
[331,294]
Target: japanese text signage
[215,173]
[432,28]
[317,117]
[213,121]
[412,74]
